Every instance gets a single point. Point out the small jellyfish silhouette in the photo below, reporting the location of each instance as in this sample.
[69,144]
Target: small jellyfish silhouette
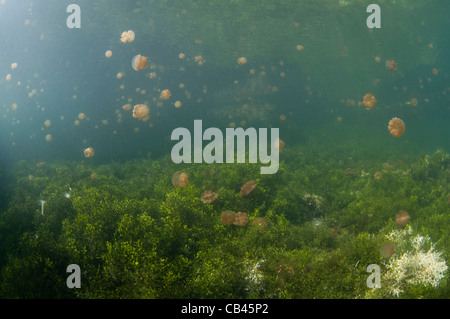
[369,100]
[178,104]
[402,218]
[127,36]
[47,123]
[247,188]
[180,179]
[88,152]
[227,217]
[141,111]
[14,65]
[165,94]
[240,219]
[387,250]
[81,116]
[139,62]
[49,137]
[108,54]
[209,196]
[391,65]
[242,60]
[396,127]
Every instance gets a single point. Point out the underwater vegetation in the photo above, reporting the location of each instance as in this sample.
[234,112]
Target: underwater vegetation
[135,234]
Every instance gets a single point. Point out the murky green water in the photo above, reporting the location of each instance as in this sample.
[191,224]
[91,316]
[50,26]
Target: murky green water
[311,230]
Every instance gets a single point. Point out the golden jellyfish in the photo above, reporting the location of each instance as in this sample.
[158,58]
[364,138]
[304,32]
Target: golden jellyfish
[247,188]
[260,222]
[177,104]
[435,71]
[76,122]
[81,116]
[141,111]
[108,54]
[208,197]
[414,101]
[240,219]
[282,117]
[119,75]
[377,175]
[396,127]
[391,65]
[180,179]
[126,107]
[127,36]
[300,47]
[165,94]
[377,59]
[8,77]
[387,250]
[139,62]
[181,56]
[370,100]
[49,137]
[47,123]
[88,152]
[13,65]
[242,60]
[402,218]
[227,217]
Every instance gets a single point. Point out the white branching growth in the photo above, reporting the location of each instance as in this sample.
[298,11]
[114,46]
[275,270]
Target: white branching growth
[417,263]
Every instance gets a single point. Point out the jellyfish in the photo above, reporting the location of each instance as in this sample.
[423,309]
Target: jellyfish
[396,127]
[8,77]
[300,47]
[47,123]
[81,116]
[88,152]
[165,94]
[387,250]
[93,176]
[180,179]
[240,219]
[227,217]
[141,111]
[242,60]
[49,137]
[402,218]
[13,65]
[208,197]
[126,107]
[391,65]
[127,36]
[139,62]
[247,188]
[377,175]
[108,54]
[181,56]
[177,104]
[370,100]
[119,75]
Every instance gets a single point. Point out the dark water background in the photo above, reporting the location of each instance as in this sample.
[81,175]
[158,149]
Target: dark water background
[321,83]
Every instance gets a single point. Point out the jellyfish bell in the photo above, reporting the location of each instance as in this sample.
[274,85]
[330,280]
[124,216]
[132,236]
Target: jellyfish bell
[227,217]
[141,111]
[396,127]
[88,152]
[49,137]
[240,219]
[180,179]
[208,196]
[369,101]
[387,250]
[247,188]
[139,62]
[391,65]
[108,54]
[402,218]
[242,60]
[127,36]
[47,123]
[165,94]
